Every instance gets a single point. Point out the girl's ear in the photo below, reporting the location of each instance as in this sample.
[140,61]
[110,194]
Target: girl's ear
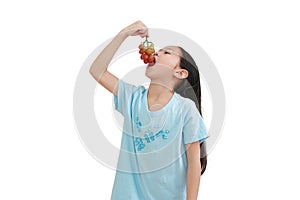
[181,73]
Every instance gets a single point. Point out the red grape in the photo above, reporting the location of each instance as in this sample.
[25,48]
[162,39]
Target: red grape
[146,49]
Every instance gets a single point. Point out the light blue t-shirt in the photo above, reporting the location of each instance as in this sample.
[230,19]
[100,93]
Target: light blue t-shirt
[152,162]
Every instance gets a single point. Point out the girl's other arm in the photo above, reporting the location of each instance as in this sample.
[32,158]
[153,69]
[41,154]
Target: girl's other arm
[193,171]
[99,67]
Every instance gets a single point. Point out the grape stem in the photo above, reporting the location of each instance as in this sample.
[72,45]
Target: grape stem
[147,42]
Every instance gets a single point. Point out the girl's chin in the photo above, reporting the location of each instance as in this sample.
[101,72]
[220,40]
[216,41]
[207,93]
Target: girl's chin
[150,65]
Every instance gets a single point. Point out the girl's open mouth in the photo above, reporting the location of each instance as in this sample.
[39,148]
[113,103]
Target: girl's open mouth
[151,64]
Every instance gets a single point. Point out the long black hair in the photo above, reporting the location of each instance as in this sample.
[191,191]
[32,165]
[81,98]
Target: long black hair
[191,88]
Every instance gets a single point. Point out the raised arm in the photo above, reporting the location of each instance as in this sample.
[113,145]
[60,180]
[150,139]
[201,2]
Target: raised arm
[99,67]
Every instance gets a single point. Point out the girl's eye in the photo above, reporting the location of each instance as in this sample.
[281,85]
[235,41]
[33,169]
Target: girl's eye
[164,51]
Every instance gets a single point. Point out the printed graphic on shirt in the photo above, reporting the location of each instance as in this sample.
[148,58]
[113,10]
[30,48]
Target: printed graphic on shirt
[149,133]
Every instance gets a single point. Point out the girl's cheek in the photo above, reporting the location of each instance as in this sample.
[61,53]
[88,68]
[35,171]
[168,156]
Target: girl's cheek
[167,62]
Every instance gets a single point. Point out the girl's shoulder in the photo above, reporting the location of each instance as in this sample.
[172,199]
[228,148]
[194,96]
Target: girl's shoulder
[184,102]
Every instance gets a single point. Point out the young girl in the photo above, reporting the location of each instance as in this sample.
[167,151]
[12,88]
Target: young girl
[163,128]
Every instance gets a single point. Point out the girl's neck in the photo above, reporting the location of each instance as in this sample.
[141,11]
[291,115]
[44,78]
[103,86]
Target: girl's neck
[158,96]
[158,91]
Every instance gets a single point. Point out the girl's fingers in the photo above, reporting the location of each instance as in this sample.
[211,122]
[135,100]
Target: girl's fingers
[144,30]
[142,33]
[137,28]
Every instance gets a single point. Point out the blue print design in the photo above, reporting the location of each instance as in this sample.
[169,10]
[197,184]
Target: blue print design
[138,123]
[139,143]
[149,137]
[163,134]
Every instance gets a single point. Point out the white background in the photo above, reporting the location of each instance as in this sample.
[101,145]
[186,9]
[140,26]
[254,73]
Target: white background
[254,45]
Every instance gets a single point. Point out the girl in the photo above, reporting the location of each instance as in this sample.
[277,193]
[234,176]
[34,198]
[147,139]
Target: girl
[163,129]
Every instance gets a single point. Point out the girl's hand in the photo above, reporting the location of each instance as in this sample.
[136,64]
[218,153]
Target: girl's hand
[137,28]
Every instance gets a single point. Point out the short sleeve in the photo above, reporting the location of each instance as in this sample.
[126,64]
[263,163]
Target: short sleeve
[123,99]
[194,128]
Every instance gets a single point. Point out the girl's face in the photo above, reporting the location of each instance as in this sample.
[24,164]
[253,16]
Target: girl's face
[167,61]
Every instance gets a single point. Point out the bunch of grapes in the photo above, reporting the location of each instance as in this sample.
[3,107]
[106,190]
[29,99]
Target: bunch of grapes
[147,52]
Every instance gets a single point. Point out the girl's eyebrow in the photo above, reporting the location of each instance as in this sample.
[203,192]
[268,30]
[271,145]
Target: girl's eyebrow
[169,50]
[172,51]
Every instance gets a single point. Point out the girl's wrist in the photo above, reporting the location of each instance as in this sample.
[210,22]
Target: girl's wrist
[124,33]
